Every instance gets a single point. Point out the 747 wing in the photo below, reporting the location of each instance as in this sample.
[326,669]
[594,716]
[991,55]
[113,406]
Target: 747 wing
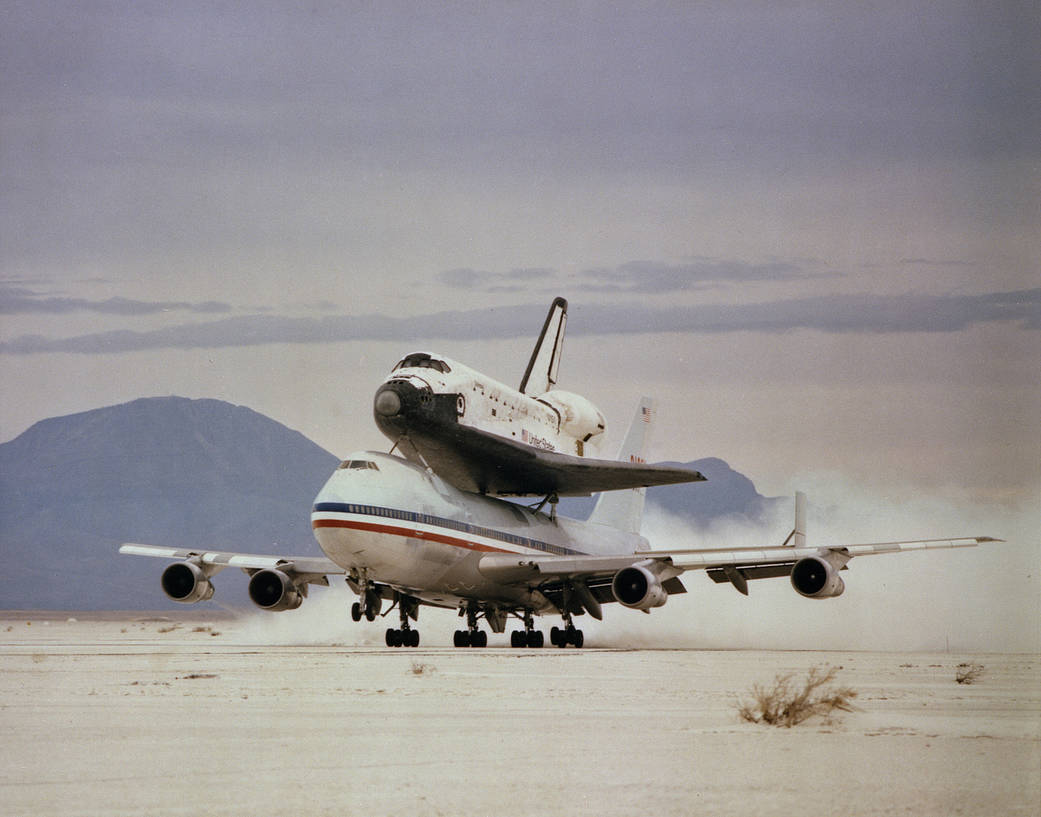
[276,582]
[645,579]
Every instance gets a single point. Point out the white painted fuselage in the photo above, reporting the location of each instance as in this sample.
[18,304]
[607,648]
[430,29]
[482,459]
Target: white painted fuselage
[407,528]
[557,420]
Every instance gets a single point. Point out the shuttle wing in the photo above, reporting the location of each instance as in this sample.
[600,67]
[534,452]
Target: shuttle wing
[480,462]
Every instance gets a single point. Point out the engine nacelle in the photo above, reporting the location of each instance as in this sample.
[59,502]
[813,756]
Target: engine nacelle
[638,588]
[186,582]
[816,578]
[578,417]
[274,590]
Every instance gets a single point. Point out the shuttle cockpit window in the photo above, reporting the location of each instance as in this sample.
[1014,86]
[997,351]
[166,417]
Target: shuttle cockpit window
[356,465]
[423,361]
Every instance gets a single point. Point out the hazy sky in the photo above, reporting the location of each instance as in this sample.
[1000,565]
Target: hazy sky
[811,230]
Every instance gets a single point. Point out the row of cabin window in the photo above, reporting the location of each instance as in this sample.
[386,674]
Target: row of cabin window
[491,533]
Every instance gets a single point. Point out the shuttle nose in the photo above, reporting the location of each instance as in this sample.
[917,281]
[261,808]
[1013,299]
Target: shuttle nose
[388,403]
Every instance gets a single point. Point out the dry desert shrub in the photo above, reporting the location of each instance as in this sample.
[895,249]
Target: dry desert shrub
[786,703]
[968,673]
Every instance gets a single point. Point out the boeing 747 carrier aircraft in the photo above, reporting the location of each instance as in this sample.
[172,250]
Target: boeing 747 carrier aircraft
[426,528]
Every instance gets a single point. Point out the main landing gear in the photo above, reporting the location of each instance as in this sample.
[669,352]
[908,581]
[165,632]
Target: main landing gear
[408,608]
[529,636]
[472,636]
[569,635]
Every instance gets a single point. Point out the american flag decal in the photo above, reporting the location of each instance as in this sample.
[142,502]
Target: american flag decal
[645,414]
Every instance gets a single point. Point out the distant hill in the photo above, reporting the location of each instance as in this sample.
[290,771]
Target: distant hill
[725,493]
[195,473]
[168,471]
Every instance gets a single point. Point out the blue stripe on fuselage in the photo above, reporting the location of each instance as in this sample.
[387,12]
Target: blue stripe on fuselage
[441,522]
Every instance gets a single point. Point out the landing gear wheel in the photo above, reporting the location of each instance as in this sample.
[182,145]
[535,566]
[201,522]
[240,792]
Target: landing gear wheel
[478,638]
[402,638]
[561,638]
[535,638]
[517,639]
[356,612]
[461,638]
[370,615]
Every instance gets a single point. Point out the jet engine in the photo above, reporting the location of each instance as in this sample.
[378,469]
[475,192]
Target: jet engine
[186,582]
[578,417]
[638,588]
[816,578]
[274,590]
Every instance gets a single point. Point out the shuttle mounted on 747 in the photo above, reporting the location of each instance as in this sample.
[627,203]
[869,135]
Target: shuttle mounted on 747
[428,527]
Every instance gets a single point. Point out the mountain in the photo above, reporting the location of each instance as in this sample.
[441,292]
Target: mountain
[725,493]
[167,471]
[196,473]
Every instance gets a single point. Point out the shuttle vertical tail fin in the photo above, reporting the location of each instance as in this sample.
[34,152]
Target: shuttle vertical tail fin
[541,374]
[624,509]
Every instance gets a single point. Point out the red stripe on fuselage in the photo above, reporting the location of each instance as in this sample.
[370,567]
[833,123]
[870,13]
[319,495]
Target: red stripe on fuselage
[426,536]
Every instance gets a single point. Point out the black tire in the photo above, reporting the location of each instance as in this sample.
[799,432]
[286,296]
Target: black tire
[536,639]
[516,639]
[478,638]
[370,615]
[554,636]
[413,638]
[461,639]
[393,638]
[578,639]
[356,611]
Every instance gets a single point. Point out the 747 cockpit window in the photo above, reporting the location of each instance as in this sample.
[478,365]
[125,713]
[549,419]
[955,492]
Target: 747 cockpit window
[358,464]
[421,360]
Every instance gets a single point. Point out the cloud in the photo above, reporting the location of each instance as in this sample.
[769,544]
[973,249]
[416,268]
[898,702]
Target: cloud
[647,277]
[21,301]
[877,314]
[655,277]
[515,280]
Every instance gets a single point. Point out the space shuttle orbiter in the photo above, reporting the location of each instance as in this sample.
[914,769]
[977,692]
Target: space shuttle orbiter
[483,436]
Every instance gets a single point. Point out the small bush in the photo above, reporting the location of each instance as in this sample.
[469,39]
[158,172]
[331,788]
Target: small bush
[968,673]
[786,703]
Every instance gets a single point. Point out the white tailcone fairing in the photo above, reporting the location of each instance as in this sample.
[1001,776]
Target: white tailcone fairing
[624,509]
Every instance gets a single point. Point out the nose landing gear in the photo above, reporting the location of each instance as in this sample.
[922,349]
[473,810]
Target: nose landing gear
[369,602]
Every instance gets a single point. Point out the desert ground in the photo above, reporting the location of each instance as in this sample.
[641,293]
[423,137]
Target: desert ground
[107,714]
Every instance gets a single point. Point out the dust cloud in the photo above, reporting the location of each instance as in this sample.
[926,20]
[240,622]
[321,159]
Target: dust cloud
[986,598]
